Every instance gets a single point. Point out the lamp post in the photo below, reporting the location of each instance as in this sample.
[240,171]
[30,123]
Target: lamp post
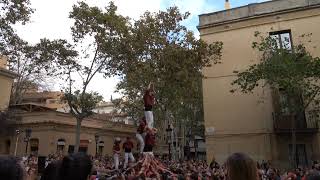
[96,137]
[187,148]
[27,138]
[17,140]
[169,130]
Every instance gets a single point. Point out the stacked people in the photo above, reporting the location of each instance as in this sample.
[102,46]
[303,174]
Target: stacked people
[145,133]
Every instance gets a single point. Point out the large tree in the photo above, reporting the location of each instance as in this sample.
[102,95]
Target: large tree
[33,63]
[286,69]
[97,35]
[12,12]
[163,51]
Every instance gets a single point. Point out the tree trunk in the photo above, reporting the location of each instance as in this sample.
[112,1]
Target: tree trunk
[78,129]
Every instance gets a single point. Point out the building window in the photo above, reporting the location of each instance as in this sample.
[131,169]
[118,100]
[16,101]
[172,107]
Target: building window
[71,149]
[283,39]
[8,144]
[60,146]
[301,154]
[83,146]
[34,146]
[100,147]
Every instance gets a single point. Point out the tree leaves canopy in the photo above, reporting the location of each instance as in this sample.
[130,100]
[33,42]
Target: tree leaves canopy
[293,70]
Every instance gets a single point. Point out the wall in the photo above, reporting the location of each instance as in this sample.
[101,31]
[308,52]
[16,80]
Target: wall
[49,126]
[244,122]
[5,90]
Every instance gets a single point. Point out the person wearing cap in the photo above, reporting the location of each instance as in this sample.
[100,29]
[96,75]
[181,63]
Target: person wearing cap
[141,133]
[127,147]
[116,152]
[149,101]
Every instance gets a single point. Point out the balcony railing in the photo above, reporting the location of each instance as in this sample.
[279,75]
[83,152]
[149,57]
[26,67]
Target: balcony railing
[306,123]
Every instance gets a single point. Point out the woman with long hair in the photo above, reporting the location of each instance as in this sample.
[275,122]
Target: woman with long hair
[240,166]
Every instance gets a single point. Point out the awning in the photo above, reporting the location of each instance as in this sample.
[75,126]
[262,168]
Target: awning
[61,142]
[101,143]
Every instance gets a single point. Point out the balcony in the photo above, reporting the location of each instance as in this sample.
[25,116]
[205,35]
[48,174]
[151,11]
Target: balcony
[306,123]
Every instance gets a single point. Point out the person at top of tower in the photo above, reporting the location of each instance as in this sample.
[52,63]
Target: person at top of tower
[149,101]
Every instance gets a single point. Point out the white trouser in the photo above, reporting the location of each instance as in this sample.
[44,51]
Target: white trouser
[141,141]
[116,161]
[128,156]
[149,118]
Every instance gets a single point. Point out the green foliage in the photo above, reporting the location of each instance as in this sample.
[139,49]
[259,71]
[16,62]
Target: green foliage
[82,104]
[293,70]
[161,50]
[35,63]
[32,63]
[12,12]
[97,36]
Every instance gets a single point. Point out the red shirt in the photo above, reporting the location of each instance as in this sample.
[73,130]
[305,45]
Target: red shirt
[127,146]
[150,139]
[142,126]
[148,98]
[116,147]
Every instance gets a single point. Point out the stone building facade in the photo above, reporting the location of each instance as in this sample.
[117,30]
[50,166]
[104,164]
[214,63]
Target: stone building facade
[245,122]
[6,80]
[54,132]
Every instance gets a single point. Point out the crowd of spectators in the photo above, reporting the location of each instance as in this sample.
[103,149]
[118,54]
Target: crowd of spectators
[83,167]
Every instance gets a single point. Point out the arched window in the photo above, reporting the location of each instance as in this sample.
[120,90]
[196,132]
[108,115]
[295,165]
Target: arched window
[100,147]
[34,145]
[60,145]
[83,147]
[8,144]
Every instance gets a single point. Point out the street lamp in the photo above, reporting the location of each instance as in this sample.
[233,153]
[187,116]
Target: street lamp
[187,147]
[27,138]
[96,137]
[169,131]
[17,139]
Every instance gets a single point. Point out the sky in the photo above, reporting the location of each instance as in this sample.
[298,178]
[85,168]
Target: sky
[50,20]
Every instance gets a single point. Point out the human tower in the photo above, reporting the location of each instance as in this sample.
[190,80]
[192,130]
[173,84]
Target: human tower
[148,165]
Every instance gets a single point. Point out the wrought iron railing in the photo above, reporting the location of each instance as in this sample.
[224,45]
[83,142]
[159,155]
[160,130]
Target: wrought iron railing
[303,123]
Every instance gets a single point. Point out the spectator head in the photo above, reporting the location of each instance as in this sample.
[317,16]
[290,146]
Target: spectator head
[76,166]
[313,175]
[117,140]
[10,168]
[128,138]
[241,167]
[51,171]
[291,176]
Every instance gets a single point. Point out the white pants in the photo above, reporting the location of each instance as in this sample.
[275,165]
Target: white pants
[149,118]
[128,156]
[141,141]
[116,161]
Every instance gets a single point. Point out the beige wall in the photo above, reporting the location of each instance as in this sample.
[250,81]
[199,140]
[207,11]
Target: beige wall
[244,122]
[5,91]
[48,140]
[3,62]
[49,126]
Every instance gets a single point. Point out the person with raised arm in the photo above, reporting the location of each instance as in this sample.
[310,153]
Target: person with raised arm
[149,101]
